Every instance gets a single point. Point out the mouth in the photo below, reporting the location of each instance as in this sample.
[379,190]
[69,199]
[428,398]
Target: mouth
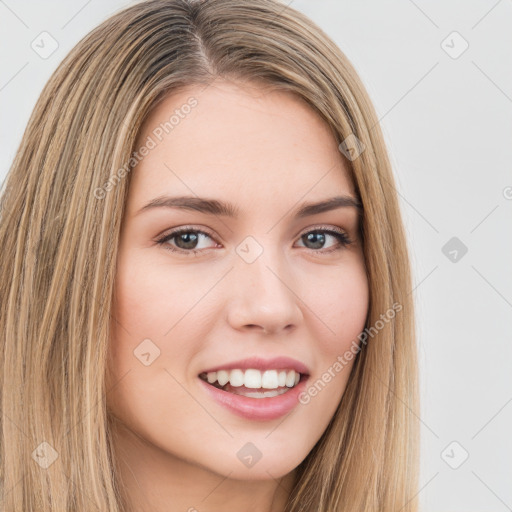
[254,383]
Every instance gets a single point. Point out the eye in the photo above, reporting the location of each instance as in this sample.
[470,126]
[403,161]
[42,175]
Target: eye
[186,240]
[319,236]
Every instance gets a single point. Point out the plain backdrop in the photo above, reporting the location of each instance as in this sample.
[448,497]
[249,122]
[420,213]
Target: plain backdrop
[440,76]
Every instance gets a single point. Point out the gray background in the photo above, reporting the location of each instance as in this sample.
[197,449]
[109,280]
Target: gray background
[446,116]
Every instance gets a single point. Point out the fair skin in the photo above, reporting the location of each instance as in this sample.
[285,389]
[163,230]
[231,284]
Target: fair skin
[267,153]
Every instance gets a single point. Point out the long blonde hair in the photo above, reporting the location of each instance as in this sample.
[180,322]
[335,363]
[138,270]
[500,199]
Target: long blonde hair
[60,242]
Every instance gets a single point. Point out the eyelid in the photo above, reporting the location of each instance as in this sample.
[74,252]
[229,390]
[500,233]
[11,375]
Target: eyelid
[323,227]
[207,231]
[174,231]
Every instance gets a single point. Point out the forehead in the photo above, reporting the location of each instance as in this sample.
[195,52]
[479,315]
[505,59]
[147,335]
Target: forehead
[239,142]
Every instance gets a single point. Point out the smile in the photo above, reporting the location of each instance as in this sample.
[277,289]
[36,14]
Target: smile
[269,383]
[257,395]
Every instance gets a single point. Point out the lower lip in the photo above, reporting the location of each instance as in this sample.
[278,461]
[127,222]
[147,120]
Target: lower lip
[269,408]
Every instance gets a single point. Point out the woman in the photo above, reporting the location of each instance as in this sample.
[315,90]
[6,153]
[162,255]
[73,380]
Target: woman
[205,281]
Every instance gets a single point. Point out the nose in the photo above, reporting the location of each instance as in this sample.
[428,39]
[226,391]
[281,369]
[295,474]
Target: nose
[263,296]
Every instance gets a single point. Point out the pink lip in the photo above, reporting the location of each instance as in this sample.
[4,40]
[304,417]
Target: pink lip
[257,408]
[258,363]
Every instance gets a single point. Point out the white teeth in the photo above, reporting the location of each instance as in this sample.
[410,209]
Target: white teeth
[222,377]
[255,379]
[236,379]
[269,379]
[290,379]
[252,379]
[264,394]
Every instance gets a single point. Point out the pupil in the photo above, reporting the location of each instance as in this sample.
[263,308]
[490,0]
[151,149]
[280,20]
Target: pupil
[190,240]
[318,238]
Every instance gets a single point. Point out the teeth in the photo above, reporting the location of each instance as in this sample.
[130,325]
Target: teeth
[236,378]
[254,379]
[265,394]
[269,379]
[222,377]
[290,379]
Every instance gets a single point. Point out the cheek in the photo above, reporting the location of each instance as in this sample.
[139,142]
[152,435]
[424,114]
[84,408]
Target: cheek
[151,297]
[151,308]
[338,310]
[341,306]
[164,304]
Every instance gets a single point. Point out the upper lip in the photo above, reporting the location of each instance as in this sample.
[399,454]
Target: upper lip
[259,363]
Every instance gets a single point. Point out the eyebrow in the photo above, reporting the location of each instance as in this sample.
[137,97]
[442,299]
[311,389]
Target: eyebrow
[221,208]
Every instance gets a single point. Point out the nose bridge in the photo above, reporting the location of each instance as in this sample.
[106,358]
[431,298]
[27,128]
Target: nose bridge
[265,276]
[263,289]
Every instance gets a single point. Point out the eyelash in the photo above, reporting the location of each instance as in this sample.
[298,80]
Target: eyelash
[343,240]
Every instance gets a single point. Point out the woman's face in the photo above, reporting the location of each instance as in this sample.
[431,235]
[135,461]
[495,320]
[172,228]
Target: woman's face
[254,285]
